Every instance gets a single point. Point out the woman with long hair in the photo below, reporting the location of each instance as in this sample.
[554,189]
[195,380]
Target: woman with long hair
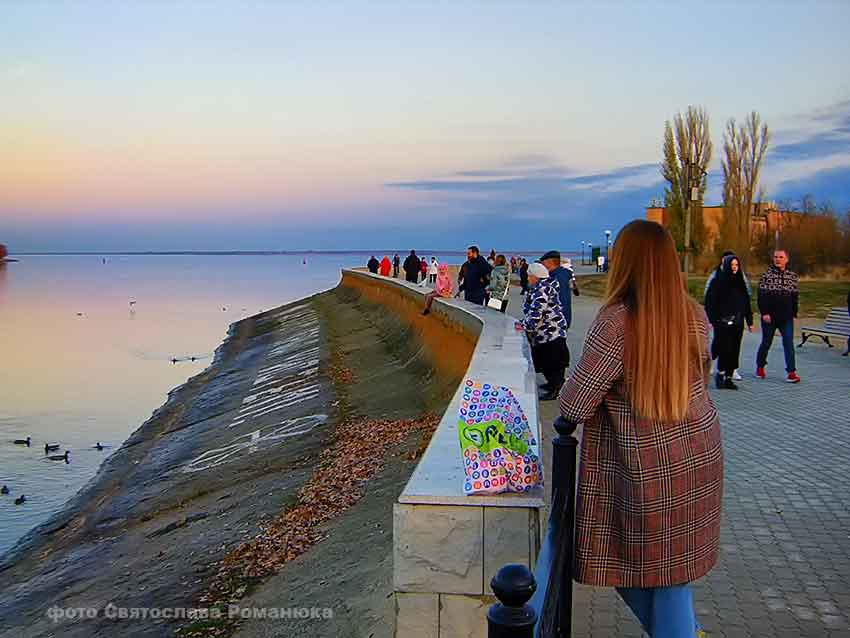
[727,304]
[651,475]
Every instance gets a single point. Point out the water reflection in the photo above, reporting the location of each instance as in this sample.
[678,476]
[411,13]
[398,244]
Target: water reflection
[90,349]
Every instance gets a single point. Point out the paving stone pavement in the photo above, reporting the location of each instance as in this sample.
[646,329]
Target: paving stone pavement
[784,569]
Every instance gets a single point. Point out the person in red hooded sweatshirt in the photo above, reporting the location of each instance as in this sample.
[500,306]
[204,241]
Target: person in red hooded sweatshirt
[386,267]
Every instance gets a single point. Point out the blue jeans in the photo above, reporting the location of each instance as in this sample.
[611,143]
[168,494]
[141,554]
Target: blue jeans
[663,612]
[786,329]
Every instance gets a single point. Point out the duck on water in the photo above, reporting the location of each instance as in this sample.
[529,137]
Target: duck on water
[60,457]
[27,441]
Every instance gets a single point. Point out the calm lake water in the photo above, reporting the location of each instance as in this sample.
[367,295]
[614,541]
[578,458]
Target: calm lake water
[82,365]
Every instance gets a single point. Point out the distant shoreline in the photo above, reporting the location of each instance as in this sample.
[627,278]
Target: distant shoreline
[226,253]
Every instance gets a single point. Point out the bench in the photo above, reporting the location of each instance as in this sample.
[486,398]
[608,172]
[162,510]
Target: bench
[836,324]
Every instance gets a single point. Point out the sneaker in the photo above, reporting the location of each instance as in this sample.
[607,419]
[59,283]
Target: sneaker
[718,381]
[736,376]
[728,384]
[793,378]
[760,373]
[548,396]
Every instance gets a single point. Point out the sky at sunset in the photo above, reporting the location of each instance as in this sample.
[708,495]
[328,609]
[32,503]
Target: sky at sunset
[287,125]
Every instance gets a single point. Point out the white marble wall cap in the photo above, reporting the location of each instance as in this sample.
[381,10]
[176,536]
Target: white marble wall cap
[501,357]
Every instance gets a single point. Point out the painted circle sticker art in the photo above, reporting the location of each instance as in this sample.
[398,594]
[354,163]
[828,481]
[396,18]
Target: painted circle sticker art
[500,451]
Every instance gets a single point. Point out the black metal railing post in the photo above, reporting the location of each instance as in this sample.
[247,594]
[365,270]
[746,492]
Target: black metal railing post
[552,602]
[564,454]
[512,617]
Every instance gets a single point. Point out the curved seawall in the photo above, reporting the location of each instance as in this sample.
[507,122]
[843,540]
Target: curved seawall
[446,545]
[448,335]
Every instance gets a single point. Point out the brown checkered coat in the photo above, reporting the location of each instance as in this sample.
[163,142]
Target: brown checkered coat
[648,506]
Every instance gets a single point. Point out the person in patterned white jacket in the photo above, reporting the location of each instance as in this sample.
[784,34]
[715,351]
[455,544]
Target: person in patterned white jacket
[546,328]
[778,301]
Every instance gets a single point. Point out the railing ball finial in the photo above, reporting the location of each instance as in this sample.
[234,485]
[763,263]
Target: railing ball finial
[512,617]
[564,427]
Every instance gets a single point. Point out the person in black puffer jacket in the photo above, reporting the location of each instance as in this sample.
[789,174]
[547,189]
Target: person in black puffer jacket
[727,304]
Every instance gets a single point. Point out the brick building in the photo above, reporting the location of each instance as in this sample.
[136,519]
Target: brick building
[767,218]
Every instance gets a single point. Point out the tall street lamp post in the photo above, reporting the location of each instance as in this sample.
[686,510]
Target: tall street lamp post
[694,174]
[582,253]
[607,243]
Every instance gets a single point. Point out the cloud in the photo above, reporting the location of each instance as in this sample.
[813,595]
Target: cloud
[827,185]
[541,200]
[813,157]
[552,179]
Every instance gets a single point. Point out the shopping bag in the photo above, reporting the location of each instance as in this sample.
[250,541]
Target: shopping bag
[499,445]
[494,303]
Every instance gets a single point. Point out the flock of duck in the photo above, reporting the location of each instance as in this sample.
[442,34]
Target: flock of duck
[48,448]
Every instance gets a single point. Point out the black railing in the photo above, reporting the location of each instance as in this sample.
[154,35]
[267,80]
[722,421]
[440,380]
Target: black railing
[525,610]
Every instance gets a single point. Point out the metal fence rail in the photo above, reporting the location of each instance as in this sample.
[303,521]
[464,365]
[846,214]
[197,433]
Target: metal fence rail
[524,610]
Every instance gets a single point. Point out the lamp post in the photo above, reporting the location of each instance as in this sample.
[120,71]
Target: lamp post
[607,243]
[582,253]
[694,174]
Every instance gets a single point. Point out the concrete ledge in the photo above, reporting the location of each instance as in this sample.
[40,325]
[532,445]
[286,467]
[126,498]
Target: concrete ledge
[499,355]
[446,545]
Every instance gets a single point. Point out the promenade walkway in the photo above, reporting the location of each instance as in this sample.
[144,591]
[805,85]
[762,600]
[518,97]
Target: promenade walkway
[784,570]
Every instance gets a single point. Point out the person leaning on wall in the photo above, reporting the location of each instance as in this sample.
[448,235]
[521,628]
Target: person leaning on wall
[546,328]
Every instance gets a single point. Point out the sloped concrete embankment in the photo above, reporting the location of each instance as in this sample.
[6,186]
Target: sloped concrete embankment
[397,366]
[227,452]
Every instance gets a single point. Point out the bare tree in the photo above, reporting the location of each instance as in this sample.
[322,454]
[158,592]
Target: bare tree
[744,148]
[686,141]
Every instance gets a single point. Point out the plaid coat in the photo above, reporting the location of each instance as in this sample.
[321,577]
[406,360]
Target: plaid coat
[649,494]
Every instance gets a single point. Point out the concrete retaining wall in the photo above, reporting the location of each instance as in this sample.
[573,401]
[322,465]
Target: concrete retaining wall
[447,546]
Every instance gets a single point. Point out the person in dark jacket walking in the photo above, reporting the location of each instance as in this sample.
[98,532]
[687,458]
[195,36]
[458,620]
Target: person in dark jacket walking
[564,277]
[461,275]
[727,304]
[475,277]
[778,301]
[396,264]
[714,273]
[411,267]
[373,265]
[523,276]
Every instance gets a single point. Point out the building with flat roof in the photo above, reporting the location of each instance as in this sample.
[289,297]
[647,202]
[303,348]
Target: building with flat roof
[767,218]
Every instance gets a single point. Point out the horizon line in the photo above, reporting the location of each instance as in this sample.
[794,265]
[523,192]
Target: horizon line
[257,252]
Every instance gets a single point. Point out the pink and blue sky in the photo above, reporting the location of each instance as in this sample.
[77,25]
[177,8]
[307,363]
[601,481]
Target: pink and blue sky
[290,125]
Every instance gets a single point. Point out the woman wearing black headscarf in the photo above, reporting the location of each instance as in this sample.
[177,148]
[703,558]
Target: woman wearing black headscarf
[727,304]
